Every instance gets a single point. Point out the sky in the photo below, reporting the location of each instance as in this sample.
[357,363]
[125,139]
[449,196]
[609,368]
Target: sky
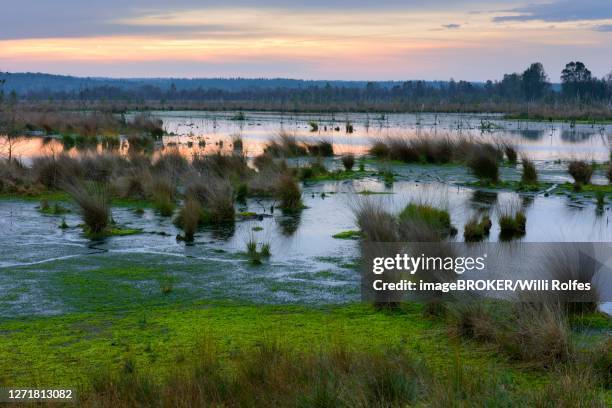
[332,39]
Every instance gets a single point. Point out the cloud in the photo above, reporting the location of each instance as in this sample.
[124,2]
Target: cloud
[20,19]
[560,11]
[603,28]
[451,26]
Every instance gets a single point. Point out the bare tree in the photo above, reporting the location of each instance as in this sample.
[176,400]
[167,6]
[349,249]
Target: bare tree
[9,143]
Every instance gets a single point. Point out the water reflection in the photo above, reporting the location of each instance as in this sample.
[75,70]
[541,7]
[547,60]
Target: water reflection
[289,223]
[201,132]
[481,199]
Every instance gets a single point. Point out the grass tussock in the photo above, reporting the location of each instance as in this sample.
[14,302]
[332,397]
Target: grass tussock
[473,319]
[415,218]
[529,175]
[576,264]
[348,161]
[188,218]
[510,153]
[375,223]
[477,228]
[171,164]
[539,334]
[432,149]
[322,148]
[216,196]
[574,386]
[289,194]
[55,170]
[512,222]
[581,172]
[257,252]
[534,334]
[483,164]
[94,206]
[285,145]
[163,195]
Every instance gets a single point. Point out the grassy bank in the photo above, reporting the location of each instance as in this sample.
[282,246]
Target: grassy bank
[399,349]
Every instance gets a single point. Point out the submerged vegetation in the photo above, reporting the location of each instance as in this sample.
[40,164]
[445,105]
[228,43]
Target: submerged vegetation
[512,223]
[477,228]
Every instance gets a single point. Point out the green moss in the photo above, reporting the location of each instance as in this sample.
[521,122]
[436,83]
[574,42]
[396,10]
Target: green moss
[586,188]
[339,175]
[434,217]
[64,350]
[123,231]
[350,234]
[46,195]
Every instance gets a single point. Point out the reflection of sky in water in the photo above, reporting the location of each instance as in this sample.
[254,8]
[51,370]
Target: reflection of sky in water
[540,140]
[206,132]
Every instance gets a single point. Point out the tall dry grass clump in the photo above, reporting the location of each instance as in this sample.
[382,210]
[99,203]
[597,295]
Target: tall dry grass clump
[171,164]
[473,319]
[322,148]
[510,152]
[94,206]
[189,218]
[483,163]
[529,175]
[581,172]
[270,374]
[578,263]
[55,170]
[216,196]
[15,178]
[285,145]
[233,166]
[539,334]
[289,194]
[348,161]
[432,149]
[103,167]
[162,191]
[375,223]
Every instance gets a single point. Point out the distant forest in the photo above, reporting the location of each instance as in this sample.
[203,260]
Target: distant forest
[577,87]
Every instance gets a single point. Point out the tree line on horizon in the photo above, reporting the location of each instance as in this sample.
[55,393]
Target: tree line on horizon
[578,85]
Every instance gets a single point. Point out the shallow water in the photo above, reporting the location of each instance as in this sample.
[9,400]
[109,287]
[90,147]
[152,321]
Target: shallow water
[41,264]
[540,140]
[202,132]
[307,264]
